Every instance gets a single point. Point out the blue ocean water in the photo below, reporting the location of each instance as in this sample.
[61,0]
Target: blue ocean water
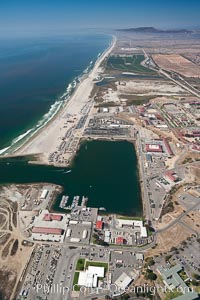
[37,75]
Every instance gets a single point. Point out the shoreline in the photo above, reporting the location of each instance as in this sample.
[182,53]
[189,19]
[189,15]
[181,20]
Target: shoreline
[25,148]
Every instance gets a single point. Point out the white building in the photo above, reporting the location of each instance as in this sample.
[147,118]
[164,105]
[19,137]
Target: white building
[126,222]
[89,278]
[44,194]
[123,281]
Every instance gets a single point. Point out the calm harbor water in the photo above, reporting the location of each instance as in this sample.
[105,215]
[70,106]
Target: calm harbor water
[106,172]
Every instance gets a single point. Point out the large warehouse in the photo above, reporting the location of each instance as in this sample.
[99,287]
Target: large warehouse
[154,148]
[46,230]
[90,277]
[52,217]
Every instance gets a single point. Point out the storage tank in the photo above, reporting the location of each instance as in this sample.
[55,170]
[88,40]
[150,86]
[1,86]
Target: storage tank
[84,234]
[44,194]
[69,231]
[74,240]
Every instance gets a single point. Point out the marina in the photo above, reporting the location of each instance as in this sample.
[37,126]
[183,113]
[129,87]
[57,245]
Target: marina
[105,172]
[75,202]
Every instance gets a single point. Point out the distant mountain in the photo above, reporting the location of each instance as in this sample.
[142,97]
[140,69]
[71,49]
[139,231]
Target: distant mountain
[153,30]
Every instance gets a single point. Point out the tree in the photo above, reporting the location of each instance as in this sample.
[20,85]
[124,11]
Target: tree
[196,276]
[194,282]
[150,275]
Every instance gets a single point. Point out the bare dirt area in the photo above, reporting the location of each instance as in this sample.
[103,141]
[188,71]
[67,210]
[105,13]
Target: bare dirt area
[189,157]
[13,255]
[133,91]
[192,220]
[177,63]
[169,238]
[149,88]
[195,171]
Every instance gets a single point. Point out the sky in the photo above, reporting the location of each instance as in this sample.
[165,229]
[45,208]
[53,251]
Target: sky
[18,16]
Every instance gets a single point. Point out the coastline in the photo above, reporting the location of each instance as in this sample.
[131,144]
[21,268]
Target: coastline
[39,144]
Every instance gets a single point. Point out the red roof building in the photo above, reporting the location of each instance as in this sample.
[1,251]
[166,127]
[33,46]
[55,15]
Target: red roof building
[99,225]
[154,148]
[171,175]
[51,217]
[46,230]
[119,240]
[169,149]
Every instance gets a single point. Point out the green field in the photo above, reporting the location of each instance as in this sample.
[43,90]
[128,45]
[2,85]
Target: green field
[80,264]
[128,64]
[75,281]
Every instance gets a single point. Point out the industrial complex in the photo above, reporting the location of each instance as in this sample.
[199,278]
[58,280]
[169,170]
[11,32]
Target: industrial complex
[144,90]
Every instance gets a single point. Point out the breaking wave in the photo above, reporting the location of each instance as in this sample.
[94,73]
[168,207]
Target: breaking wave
[20,140]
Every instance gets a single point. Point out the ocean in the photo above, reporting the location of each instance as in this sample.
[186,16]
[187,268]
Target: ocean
[37,75]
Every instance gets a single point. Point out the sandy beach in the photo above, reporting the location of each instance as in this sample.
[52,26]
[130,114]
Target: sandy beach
[47,140]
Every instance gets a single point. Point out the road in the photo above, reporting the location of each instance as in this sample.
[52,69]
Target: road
[143,178]
[178,218]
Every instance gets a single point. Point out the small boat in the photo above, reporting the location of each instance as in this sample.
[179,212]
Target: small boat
[102,208]
[67,171]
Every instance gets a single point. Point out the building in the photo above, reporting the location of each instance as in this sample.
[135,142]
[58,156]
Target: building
[171,278]
[46,230]
[123,281]
[154,148]
[99,225]
[171,176]
[139,256]
[68,233]
[168,147]
[52,217]
[143,232]
[44,194]
[148,157]
[121,223]
[90,277]
[120,240]
[107,236]
[85,234]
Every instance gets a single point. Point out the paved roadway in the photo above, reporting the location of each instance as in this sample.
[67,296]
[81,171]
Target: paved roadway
[178,218]
[143,178]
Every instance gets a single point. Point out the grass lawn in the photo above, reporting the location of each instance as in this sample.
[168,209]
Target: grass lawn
[97,264]
[75,282]
[131,218]
[80,264]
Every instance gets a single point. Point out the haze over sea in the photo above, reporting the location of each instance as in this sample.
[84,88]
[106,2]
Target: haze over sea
[35,73]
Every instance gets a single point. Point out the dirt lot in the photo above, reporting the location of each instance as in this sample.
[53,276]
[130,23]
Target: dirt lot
[13,255]
[177,63]
[149,88]
[169,238]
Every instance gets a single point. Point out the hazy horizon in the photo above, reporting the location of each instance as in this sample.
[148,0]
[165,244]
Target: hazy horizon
[19,17]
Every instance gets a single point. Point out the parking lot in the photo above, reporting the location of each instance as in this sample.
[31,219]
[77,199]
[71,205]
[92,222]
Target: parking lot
[125,261]
[50,273]
[84,214]
[99,254]
[78,232]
